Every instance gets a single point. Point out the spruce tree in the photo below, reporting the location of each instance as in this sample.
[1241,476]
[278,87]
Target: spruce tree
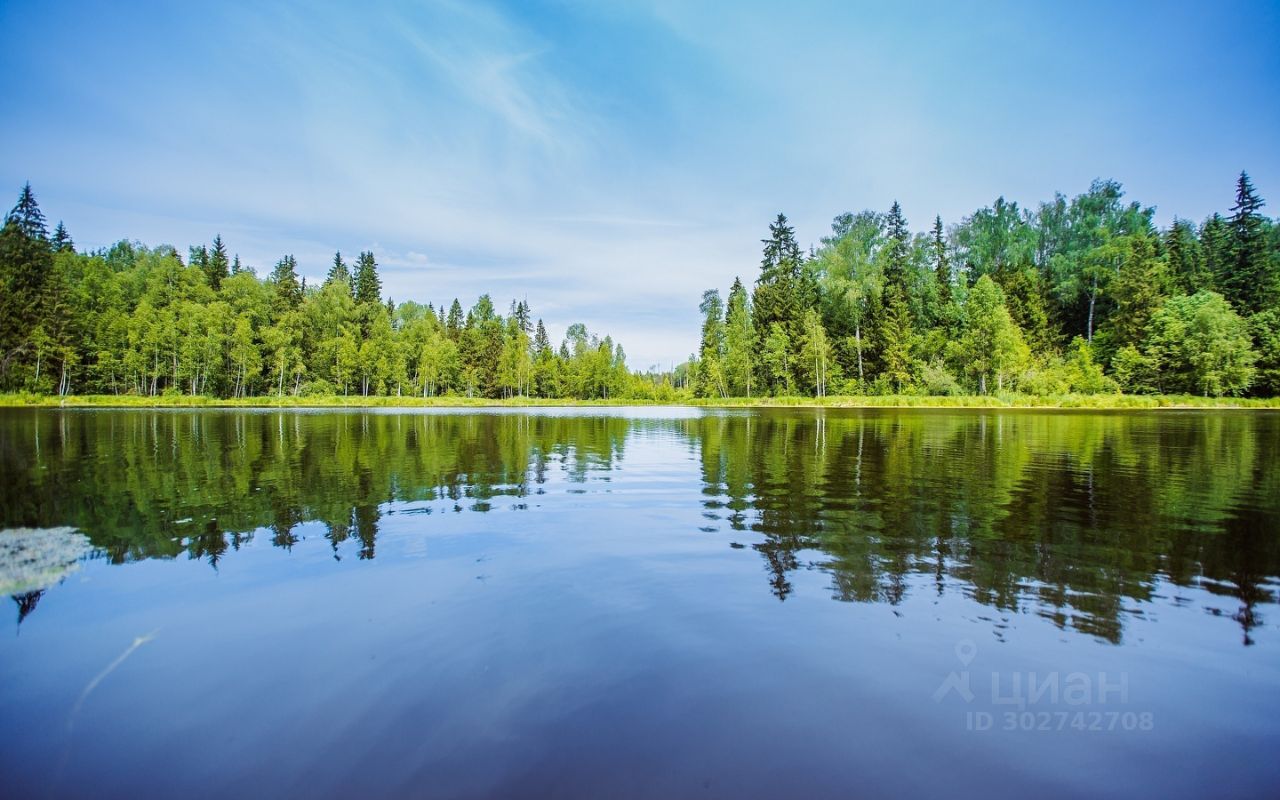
[368,286]
[897,252]
[28,216]
[740,342]
[1248,283]
[25,264]
[218,267]
[1138,290]
[941,264]
[287,287]
[1215,244]
[198,257]
[781,256]
[61,241]
[520,311]
[1185,259]
[339,270]
[894,329]
[783,293]
[454,324]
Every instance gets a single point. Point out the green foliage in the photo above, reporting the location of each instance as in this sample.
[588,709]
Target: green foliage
[1265,327]
[216,265]
[1198,344]
[991,304]
[132,321]
[776,361]
[366,284]
[991,346]
[783,291]
[710,380]
[740,343]
[339,271]
[1249,279]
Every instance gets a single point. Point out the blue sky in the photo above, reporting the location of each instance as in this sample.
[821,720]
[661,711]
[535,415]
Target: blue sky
[609,161]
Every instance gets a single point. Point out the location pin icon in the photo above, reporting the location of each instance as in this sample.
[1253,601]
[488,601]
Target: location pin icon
[966,650]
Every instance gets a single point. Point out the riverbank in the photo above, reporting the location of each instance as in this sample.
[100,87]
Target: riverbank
[1082,401]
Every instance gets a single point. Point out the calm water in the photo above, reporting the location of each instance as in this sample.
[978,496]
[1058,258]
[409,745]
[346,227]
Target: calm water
[645,603]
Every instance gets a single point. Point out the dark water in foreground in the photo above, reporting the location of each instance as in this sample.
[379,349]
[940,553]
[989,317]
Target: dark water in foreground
[645,603]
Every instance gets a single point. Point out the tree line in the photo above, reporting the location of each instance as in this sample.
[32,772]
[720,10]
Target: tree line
[1083,295]
[130,319]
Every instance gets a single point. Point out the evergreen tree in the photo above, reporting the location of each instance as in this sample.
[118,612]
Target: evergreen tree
[25,264]
[1215,245]
[897,342]
[198,257]
[236,268]
[541,342]
[338,271]
[61,241]
[782,294]
[28,216]
[520,312]
[895,332]
[288,290]
[781,256]
[455,321]
[1184,258]
[740,342]
[1248,283]
[896,253]
[1138,291]
[941,264]
[217,267]
[368,286]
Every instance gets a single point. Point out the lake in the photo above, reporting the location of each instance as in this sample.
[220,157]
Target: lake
[640,602]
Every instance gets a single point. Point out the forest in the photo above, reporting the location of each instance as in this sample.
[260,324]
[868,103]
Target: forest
[134,320]
[1076,296]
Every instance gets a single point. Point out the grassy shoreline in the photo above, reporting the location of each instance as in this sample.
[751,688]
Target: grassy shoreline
[1094,402]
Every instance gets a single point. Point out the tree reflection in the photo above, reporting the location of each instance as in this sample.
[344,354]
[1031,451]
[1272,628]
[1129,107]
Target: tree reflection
[1077,518]
[1071,517]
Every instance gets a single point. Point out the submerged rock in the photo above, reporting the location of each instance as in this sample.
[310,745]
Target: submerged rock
[33,559]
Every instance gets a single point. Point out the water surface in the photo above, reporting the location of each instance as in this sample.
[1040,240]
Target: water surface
[645,603]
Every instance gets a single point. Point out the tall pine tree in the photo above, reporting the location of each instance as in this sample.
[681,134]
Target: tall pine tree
[1248,282]
[288,290]
[339,270]
[941,263]
[895,333]
[368,286]
[783,293]
[218,266]
[61,241]
[25,264]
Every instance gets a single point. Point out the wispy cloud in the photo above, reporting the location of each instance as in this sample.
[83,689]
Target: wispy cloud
[609,161]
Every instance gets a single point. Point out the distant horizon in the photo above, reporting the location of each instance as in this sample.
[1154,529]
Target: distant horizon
[610,164]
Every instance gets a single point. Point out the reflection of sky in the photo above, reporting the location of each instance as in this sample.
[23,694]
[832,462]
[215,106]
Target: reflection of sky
[573,645]
[610,161]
